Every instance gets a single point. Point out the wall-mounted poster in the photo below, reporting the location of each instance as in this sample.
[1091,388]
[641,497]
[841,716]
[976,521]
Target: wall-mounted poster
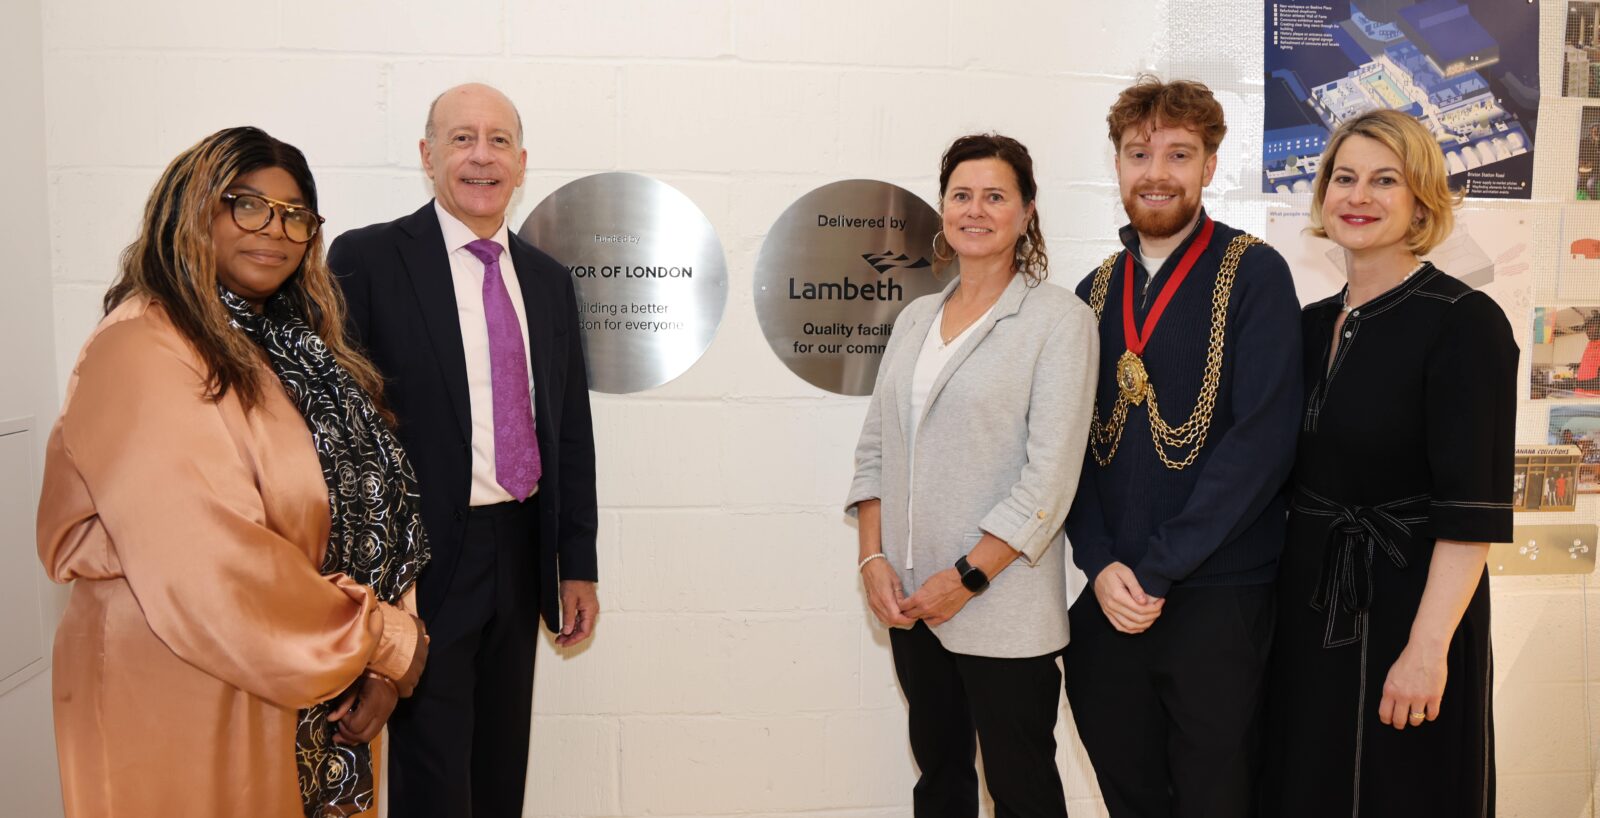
[1580,242]
[1580,52]
[1565,346]
[1467,69]
[1587,186]
[1580,426]
[1579,255]
[1546,478]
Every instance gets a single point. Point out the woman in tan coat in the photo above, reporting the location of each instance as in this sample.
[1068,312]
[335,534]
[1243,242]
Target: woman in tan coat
[239,525]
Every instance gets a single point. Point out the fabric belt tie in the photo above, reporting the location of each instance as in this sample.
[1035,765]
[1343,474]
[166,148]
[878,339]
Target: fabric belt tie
[1355,535]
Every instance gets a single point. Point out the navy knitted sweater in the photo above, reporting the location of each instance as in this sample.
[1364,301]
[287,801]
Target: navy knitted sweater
[1221,520]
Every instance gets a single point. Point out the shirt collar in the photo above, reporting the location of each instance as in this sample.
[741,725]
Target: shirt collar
[1423,274]
[458,235]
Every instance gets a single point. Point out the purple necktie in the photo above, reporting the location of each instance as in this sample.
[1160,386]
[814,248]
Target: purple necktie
[516,449]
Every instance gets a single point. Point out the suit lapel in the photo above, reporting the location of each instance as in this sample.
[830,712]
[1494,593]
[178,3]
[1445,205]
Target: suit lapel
[427,263]
[536,304]
[1009,302]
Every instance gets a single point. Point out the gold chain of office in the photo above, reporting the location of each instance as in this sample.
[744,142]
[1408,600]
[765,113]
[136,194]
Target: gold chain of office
[1191,435]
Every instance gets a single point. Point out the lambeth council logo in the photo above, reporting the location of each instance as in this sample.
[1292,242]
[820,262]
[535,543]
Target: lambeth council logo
[889,260]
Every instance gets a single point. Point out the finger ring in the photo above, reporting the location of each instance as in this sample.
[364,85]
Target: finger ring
[1415,716]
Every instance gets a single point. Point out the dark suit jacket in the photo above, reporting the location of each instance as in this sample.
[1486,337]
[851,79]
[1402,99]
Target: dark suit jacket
[396,280]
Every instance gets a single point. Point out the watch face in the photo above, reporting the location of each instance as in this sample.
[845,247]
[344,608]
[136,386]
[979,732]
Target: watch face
[974,579]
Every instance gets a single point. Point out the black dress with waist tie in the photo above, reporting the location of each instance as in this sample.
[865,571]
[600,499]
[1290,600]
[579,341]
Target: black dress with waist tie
[1407,438]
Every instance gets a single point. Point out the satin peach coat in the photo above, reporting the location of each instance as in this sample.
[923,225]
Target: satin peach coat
[199,624]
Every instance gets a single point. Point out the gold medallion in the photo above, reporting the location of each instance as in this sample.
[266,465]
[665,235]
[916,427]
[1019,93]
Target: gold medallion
[1132,380]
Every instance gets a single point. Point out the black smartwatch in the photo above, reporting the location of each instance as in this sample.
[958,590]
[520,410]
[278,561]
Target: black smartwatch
[973,578]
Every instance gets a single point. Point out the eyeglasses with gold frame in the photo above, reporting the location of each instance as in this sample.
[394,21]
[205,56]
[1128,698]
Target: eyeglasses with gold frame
[253,212]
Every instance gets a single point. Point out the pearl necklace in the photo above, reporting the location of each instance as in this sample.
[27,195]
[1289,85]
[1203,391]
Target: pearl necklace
[1344,297]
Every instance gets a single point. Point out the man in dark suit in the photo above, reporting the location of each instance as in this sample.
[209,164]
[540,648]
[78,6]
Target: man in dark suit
[476,334]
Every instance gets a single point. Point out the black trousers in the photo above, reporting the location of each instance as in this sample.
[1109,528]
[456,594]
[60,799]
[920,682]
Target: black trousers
[1171,717]
[957,700]
[459,745]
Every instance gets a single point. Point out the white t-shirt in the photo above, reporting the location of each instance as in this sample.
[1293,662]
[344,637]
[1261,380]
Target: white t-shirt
[1152,265]
[930,362]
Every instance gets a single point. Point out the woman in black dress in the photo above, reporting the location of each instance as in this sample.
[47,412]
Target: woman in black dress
[1381,674]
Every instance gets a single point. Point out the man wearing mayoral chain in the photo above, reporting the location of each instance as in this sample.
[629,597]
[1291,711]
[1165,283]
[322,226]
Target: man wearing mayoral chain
[1179,516]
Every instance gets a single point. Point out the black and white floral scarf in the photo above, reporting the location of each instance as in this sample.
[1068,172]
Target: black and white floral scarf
[376,535]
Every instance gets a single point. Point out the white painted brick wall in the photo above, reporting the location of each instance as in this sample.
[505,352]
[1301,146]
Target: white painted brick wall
[842,32]
[735,671]
[175,25]
[629,30]
[720,764]
[461,27]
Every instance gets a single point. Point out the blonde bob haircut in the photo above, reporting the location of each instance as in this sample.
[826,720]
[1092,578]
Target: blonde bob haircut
[1421,162]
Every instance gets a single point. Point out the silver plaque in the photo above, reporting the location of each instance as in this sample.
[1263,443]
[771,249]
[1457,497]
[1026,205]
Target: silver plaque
[834,272]
[651,278]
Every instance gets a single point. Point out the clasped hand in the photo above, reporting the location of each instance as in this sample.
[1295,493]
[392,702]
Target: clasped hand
[940,598]
[1126,604]
[363,708]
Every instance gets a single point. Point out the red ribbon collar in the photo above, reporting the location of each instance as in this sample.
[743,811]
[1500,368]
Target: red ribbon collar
[1131,335]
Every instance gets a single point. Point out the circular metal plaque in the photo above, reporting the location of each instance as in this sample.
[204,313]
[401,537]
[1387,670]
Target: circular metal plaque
[650,275]
[836,269]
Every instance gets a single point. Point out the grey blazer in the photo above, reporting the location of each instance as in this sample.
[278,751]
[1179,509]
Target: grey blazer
[999,449]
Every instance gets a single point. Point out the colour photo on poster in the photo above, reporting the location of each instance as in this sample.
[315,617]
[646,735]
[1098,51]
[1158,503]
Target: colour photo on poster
[1467,69]
[1545,478]
[1588,179]
[1580,426]
[1580,53]
[1579,282]
[1488,249]
[1566,353]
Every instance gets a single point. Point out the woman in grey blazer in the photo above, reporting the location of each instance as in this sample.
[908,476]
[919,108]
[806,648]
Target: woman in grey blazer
[966,466]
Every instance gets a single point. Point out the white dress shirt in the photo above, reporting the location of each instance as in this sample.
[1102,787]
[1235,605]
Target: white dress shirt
[466,274]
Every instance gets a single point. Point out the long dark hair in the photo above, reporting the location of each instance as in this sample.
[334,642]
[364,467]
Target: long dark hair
[173,263]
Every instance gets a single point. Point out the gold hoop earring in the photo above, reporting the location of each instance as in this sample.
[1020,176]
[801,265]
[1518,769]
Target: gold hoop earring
[937,237]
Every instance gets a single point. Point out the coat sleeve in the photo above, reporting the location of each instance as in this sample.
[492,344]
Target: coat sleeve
[1087,532]
[1472,419]
[579,512]
[145,466]
[1060,399]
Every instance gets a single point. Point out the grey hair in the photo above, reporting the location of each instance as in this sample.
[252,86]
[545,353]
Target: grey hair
[429,132]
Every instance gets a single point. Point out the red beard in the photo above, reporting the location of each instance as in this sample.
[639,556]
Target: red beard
[1159,224]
